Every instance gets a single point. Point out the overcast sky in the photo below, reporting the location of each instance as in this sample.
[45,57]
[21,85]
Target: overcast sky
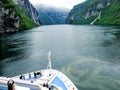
[58,3]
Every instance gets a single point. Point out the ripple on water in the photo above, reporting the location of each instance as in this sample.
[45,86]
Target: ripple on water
[93,74]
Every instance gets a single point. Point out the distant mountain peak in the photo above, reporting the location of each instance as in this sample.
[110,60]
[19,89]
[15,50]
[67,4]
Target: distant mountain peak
[51,14]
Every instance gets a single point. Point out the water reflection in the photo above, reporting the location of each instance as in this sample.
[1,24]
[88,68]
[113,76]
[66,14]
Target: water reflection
[1,70]
[117,34]
[8,49]
[112,37]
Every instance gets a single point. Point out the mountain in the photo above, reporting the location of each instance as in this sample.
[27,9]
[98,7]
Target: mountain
[52,15]
[105,12]
[17,15]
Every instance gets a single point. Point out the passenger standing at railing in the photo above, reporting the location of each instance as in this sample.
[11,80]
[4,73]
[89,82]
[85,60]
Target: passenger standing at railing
[10,84]
[29,75]
[35,75]
[21,77]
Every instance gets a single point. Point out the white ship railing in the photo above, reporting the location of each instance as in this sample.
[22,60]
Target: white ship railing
[3,81]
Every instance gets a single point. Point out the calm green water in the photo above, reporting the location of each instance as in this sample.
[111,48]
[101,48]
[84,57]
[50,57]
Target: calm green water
[88,55]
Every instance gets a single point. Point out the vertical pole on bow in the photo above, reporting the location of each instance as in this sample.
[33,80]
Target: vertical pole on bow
[49,60]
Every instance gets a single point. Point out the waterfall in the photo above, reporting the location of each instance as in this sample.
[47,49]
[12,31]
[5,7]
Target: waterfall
[97,18]
[32,13]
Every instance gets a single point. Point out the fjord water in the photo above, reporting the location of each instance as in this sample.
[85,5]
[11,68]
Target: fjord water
[89,55]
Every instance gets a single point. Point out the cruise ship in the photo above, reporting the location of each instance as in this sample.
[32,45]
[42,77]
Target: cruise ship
[47,79]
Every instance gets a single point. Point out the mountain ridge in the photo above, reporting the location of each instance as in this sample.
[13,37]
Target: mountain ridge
[52,15]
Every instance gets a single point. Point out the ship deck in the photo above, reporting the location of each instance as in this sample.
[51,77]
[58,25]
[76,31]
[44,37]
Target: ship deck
[44,80]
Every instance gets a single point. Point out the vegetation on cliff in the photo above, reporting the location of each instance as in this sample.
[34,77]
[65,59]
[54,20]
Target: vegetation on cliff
[25,21]
[110,15]
[106,12]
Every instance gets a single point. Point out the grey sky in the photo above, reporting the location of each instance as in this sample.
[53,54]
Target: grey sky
[58,3]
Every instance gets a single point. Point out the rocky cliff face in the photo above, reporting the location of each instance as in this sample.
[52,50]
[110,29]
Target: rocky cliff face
[9,20]
[28,8]
[17,15]
[94,12]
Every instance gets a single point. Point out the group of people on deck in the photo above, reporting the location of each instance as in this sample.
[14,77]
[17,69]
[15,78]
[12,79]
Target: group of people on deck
[35,75]
[22,77]
[48,86]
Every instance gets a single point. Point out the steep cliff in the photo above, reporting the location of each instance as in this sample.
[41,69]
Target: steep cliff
[17,15]
[95,12]
[28,8]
